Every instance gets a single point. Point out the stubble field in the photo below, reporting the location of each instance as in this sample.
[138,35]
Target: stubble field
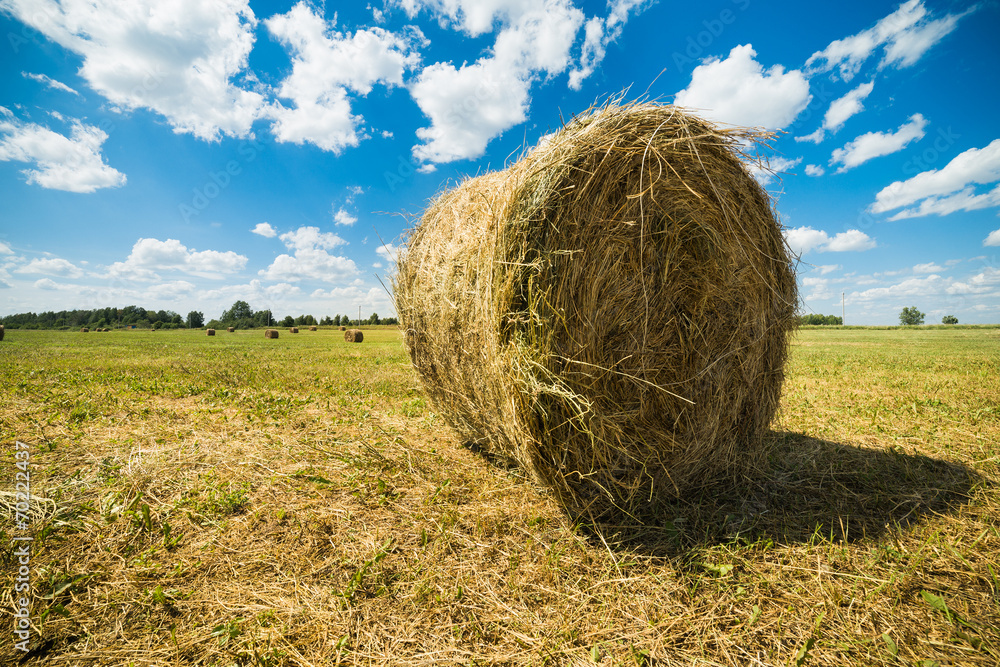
[232,500]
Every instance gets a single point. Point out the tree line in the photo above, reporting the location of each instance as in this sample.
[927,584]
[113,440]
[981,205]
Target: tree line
[240,316]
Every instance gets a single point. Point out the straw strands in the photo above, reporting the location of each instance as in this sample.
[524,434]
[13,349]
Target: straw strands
[611,311]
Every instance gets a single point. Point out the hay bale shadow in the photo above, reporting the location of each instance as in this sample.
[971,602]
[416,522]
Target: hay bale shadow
[806,487]
[802,488]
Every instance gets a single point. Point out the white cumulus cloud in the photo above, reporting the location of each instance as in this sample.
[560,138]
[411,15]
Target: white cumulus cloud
[739,91]
[471,104]
[905,36]
[342,217]
[51,266]
[598,34]
[265,229]
[151,255]
[72,163]
[814,170]
[802,240]
[179,58]
[327,66]
[993,238]
[843,108]
[946,190]
[310,260]
[871,145]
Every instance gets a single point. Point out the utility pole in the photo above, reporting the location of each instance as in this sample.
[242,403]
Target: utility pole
[359,316]
[843,309]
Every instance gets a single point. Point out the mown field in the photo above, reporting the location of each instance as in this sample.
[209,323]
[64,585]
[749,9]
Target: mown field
[241,501]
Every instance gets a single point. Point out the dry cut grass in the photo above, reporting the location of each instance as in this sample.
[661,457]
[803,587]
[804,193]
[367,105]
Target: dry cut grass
[244,501]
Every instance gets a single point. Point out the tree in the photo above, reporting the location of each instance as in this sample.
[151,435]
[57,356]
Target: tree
[289,321]
[949,319]
[910,316]
[326,321]
[195,319]
[373,319]
[241,310]
[336,320]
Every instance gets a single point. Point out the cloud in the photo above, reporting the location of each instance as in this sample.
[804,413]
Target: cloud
[983,282]
[802,240]
[905,35]
[820,288]
[50,82]
[871,145]
[342,217]
[471,104]
[824,269]
[975,166]
[814,170]
[922,287]
[310,260]
[389,252]
[966,200]
[179,58]
[598,34]
[326,66]
[929,267]
[851,240]
[5,249]
[308,238]
[993,238]
[843,108]
[739,91]
[73,163]
[774,166]
[151,255]
[265,229]
[51,266]
[816,137]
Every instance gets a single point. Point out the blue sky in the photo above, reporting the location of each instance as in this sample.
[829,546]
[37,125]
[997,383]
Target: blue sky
[185,154]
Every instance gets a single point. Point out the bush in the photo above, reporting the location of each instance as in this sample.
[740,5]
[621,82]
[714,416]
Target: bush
[949,319]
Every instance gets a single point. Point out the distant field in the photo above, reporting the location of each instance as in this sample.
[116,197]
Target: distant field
[232,500]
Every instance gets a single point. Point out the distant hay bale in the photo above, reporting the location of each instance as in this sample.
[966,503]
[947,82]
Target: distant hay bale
[1,332]
[271,333]
[85,330]
[611,312]
[230,329]
[210,332]
[343,328]
[354,336]
[293,329]
[312,328]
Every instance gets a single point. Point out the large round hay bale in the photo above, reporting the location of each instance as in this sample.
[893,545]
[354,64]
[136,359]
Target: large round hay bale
[1,332]
[210,332]
[343,328]
[230,329]
[293,329]
[611,311]
[271,333]
[85,330]
[312,328]
[354,335]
